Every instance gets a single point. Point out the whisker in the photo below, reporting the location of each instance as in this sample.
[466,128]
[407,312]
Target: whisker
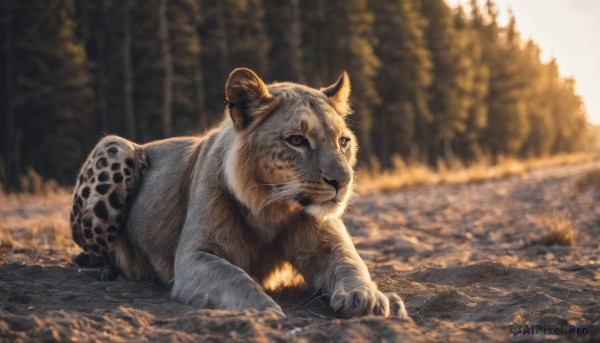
[279,194]
[269,184]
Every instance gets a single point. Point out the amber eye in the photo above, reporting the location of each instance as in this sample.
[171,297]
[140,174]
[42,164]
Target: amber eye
[297,140]
[344,142]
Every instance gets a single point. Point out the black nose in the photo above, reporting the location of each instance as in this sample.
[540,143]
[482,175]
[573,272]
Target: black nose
[337,184]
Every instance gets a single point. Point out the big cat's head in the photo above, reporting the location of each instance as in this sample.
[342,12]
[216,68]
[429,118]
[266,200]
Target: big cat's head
[292,145]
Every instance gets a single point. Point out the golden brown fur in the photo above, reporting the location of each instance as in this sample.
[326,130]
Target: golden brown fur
[223,216]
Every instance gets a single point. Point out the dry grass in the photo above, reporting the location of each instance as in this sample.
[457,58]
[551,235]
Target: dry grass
[51,232]
[34,227]
[35,190]
[33,183]
[559,231]
[589,180]
[417,174]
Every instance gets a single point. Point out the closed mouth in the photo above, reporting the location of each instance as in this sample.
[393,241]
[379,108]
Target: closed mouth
[305,200]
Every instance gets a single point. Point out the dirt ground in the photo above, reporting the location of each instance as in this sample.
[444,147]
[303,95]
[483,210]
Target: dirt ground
[464,258]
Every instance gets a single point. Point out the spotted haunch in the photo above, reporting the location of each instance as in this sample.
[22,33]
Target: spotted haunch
[98,203]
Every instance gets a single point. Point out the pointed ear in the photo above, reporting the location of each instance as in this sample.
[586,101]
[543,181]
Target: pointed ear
[339,93]
[247,97]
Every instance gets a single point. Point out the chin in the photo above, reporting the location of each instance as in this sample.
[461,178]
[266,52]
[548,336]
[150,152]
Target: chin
[327,210]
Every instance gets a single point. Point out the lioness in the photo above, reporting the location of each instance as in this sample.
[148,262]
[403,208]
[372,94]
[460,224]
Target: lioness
[223,215]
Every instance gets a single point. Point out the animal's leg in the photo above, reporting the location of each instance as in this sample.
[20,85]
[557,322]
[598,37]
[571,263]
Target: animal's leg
[208,281]
[328,260]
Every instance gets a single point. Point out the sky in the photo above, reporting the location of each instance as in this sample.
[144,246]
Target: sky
[569,30]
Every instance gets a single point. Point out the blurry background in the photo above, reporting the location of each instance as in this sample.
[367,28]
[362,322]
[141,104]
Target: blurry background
[432,83]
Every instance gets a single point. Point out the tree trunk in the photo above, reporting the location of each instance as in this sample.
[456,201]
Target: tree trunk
[296,41]
[166,60]
[128,74]
[222,38]
[448,155]
[12,153]
[200,95]
[323,74]
[103,77]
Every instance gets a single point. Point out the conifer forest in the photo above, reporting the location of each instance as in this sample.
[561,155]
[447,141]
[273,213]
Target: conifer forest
[430,82]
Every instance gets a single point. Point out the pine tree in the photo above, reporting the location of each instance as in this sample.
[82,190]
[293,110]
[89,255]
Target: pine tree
[248,42]
[189,113]
[10,157]
[402,80]
[468,143]
[540,83]
[128,81]
[51,98]
[215,54]
[449,92]
[508,125]
[569,115]
[105,28]
[426,81]
[284,25]
[166,62]
[98,36]
[233,35]
[315,45]
[339,36]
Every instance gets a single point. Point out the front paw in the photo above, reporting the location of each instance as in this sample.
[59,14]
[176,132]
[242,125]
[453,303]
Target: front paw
[365,301]
[359,302]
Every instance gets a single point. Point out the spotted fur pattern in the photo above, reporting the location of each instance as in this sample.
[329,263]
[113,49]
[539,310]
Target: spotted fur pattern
[102,195]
